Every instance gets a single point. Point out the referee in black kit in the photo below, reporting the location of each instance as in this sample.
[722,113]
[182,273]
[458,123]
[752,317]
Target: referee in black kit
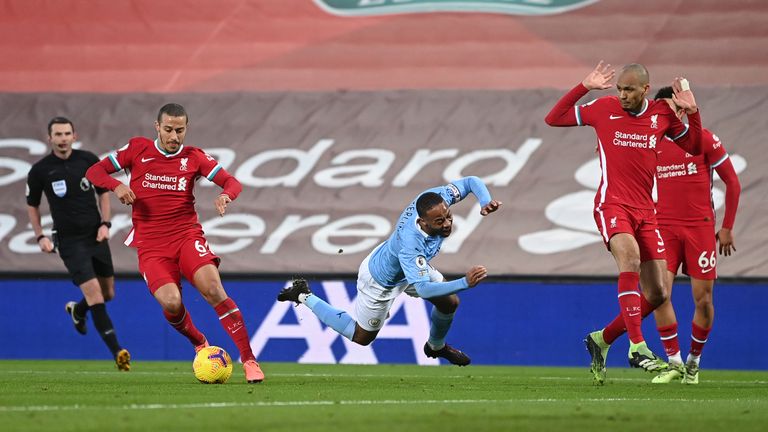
[80,231]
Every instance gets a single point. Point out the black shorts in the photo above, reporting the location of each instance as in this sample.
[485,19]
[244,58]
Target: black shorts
[86,258]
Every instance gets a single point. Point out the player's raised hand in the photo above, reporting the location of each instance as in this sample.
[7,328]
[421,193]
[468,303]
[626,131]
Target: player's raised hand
[221,203]
[683,96]
[490,207]
[125,194]
[725,239]
[476,274]
[600,78]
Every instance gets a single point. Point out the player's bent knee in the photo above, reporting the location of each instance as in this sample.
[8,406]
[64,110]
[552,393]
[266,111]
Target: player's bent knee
[363,337]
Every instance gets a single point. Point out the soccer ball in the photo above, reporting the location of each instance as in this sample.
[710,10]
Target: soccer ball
[212,365]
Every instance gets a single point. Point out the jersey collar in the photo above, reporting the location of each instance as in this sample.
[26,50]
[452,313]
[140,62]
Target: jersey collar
[165,153]
[645,108]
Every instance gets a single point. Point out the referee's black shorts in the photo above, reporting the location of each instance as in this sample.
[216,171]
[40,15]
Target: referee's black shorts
[85,258]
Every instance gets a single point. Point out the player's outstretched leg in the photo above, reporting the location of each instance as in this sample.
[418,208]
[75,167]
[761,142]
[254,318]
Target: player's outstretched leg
[337,319]
[642,357]
[449,353]
[123,360]
[76,311]
[231,319]
[598,351]
[202,345]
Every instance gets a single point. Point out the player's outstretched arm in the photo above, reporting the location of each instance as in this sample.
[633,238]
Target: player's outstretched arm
[476,274]
[491,207]
[99,175]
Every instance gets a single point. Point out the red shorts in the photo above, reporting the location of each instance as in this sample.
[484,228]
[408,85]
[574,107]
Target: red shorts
[695,247]
[166,263]
[612,219]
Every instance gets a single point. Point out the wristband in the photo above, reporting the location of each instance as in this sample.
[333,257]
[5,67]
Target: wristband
[40,237]
[107,224]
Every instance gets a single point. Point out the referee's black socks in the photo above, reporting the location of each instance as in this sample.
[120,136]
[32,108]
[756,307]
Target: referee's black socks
[81,308]
[104,325]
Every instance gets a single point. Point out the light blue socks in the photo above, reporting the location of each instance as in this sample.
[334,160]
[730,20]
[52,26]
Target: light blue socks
[441,323]
[332,317]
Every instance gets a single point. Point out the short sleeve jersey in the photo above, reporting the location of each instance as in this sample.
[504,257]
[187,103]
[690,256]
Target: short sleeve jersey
[405,255]
[163,183]
[627,147]
[70,195]
[684,182]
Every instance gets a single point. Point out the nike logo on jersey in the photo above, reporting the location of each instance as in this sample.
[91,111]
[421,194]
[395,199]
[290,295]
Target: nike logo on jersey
[634,314]
[660,250]
[147,159]
[707,270]
[613,117]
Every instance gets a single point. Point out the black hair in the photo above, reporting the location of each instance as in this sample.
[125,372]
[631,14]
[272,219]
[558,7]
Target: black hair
[664,93]
[426,202]
[59,120]
[172,110]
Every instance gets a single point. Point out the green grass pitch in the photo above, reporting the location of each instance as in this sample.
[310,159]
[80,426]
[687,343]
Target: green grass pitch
[164,396]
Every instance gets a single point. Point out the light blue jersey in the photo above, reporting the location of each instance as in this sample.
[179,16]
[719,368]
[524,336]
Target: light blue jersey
[405,255]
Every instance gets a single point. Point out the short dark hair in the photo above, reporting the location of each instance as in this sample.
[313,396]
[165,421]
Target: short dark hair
[639,70]
[59,120]
[426,202]
[172,110]
[664,93]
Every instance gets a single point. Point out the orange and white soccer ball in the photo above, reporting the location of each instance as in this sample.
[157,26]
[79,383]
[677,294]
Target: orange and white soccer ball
[212,365]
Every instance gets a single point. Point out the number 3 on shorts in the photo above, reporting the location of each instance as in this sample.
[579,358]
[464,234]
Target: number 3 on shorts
[705,262]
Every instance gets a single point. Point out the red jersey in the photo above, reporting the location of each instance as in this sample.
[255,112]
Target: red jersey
[626,142]
[163,183]
[684,182]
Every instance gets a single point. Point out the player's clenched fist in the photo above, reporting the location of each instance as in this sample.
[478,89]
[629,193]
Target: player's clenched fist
[125,194]
[476,274]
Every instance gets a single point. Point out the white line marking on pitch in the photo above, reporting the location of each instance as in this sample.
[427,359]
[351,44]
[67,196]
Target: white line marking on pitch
[77,407]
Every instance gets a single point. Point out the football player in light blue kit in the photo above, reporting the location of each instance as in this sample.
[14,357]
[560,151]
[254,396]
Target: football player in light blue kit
[401,264]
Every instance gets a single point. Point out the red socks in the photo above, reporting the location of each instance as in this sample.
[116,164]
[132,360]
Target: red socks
[629,302]
[617,328]
[669,339]
[183,324]
[698,338]
[232,321]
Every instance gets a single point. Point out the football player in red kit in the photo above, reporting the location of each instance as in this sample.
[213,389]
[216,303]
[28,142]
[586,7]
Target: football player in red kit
[687,223]
[166,232]
[629,126]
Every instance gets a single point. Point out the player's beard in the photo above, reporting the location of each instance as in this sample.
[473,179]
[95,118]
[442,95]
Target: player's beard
[171,146]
